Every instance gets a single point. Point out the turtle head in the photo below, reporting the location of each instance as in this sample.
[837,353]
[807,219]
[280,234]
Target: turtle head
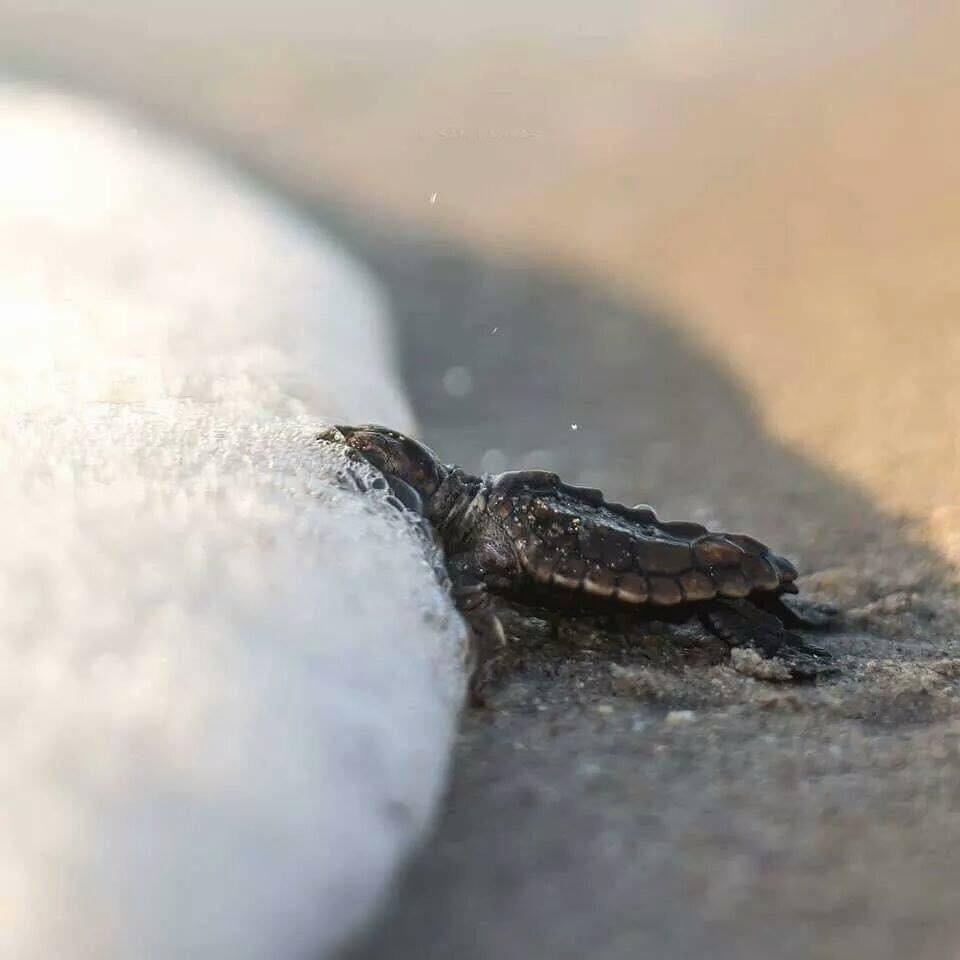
[397,456]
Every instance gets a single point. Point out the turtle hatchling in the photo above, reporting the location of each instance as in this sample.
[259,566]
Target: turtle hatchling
[529,537]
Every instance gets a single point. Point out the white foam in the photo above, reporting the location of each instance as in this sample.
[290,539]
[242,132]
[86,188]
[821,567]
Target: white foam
[227,686]
[135,269]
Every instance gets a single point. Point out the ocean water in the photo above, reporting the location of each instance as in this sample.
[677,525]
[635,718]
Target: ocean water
[228,679]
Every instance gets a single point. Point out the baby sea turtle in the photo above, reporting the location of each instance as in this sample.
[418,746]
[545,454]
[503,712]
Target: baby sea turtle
[528,536]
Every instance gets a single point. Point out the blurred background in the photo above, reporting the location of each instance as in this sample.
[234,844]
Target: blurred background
[704,254]
[781,180]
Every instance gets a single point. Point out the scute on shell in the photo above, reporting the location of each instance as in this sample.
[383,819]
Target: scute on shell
[632,588]
[600,582]
[731,582]
[760,573]
[716,551]
[569,573]
[747,544]
[697,585]
[612,549]
[665,591]
[662,556]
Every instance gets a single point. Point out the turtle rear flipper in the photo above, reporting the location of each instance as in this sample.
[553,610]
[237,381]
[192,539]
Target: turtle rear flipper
[743,625]
[797,613]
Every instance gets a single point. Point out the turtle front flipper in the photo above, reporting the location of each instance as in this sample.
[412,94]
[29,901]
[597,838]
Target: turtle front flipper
[745,626]
[799,614]
[487,653]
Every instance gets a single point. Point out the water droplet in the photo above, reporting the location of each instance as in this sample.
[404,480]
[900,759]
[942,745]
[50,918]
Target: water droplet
[458,381]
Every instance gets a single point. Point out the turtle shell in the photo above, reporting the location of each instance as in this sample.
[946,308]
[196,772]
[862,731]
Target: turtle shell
[571,539]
